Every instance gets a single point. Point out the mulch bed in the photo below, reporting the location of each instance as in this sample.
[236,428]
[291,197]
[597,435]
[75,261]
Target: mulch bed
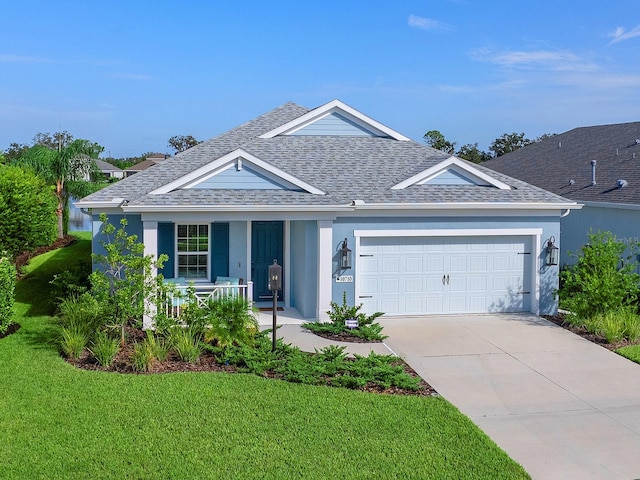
[560,320]
[23,259]
[13,328]
[209,363]
[343,337]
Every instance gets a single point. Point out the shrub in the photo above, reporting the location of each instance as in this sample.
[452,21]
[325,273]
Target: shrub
[28,207]
[74,281]
[158,345]
[143,357]
[603,278]
[7,289]
[124,282]
[73,341]
[82,313]
[186,343]
[612,327]
[104,348]
[229,321]
[367,328]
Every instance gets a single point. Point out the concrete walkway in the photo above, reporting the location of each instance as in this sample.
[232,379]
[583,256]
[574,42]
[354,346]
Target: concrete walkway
[559,405]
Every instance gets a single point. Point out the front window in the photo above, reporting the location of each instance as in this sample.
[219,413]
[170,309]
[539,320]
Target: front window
[193,251]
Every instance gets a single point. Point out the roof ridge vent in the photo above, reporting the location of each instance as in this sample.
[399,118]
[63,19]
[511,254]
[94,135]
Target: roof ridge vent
[622,183]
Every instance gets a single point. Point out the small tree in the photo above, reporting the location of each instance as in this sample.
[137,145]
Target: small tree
[603,279]
[28,208]
[435,139]
[472,153]
[7,288]
[124,283]
[69,169]
[180,143]
[509,142]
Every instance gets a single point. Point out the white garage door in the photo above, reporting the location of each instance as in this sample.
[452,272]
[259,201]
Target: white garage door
[418,275]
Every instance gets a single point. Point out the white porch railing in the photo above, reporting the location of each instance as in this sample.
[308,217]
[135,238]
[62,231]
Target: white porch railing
[175,298]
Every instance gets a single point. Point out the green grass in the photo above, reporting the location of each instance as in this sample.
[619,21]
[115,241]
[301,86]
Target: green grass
[61,422]
[632,352]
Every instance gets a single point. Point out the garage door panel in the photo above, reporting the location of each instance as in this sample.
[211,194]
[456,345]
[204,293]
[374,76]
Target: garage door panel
[390,265]
[435,264]
[414,275]
[414,264]
[414,285]
[458,263]
[369,286]
[390,286]
[478,263]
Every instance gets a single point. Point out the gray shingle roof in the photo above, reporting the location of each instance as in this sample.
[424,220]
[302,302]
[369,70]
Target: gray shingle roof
[552,163]
[346,168]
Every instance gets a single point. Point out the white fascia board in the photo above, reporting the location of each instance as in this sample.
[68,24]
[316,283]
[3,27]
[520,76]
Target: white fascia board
[218,208]
[443,232]
[468,206]
[328,108]
[220,164]
[460,165]
[114,202]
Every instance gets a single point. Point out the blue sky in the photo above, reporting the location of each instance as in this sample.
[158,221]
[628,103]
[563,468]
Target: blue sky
[130,74]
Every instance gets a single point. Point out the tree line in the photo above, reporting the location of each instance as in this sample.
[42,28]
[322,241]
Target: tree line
[505,143]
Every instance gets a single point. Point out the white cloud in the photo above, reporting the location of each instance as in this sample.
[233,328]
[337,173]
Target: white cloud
[620,34]
[546,59]
[423,23]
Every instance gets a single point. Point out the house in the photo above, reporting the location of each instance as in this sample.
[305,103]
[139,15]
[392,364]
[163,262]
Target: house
[345,204]
[108,170]
[149,161]
[597,166]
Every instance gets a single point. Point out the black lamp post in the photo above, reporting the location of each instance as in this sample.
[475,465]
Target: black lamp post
[345,256]
[551,258]
[275,284]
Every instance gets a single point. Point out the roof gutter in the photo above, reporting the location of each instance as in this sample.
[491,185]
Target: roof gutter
[359,205]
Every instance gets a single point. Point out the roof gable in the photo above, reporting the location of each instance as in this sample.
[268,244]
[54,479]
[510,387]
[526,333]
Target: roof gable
[334,113]
[238,170]
[452,171]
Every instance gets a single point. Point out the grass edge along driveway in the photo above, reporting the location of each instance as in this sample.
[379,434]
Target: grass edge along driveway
[60,422]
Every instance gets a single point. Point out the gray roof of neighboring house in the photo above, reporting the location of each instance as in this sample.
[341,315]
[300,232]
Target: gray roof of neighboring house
[346,168]
[555,162]
[106,166]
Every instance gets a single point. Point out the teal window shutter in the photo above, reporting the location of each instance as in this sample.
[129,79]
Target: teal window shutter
[166,245]
[219,250]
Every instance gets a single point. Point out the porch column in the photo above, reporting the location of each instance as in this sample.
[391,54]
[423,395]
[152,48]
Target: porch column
[325,268]
[150,241]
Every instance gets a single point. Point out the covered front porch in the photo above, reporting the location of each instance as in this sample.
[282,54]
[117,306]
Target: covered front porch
[208,251]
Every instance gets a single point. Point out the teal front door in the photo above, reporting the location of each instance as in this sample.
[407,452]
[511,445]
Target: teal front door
[266,246]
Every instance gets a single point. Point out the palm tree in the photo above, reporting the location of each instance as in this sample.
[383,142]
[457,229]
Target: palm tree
[68,168]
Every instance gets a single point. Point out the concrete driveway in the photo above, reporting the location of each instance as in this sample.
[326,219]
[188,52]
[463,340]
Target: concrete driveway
[559,405]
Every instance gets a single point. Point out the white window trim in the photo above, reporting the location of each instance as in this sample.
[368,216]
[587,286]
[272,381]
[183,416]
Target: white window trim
[207,279]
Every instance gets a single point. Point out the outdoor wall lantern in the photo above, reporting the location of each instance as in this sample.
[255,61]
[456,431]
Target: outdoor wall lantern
[551,257]
[345,256]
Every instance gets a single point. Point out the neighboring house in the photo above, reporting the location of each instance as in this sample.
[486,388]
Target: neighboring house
[149,161]
[598,167]
[429,233]
[108,170]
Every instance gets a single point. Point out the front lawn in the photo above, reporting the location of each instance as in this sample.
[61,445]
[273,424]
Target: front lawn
[61,422]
